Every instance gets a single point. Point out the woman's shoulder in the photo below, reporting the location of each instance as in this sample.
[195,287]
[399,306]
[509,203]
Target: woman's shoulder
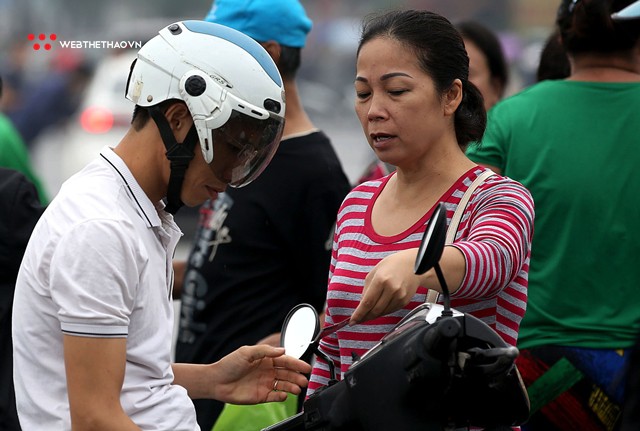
[362,195]
[499,186]
[371,185]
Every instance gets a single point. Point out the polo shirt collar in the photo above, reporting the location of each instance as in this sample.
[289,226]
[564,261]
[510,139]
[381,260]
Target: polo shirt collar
[146,209]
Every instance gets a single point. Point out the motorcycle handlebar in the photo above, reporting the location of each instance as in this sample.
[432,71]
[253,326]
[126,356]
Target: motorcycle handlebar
[294,423]
[437,342]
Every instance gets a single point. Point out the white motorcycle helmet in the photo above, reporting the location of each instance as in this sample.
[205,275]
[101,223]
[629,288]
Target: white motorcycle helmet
[231,86]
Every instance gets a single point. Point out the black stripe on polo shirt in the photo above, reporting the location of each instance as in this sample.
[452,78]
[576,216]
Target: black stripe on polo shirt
[95,334]
[130,191]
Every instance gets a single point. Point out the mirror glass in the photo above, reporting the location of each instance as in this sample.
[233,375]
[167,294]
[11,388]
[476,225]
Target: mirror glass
[432,243]
[299,330]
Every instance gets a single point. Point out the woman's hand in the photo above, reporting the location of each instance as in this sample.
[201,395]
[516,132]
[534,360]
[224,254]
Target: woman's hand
[257,374]
[392,282]
[388,287]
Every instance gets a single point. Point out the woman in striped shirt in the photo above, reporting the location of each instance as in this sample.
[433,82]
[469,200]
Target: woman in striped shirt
[419,111]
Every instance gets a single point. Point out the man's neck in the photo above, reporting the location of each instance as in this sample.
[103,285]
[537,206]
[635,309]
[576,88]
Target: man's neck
[143,154]
[296,119]
[601,68]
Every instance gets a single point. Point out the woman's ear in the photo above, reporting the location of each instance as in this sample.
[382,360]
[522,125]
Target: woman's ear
[453,97]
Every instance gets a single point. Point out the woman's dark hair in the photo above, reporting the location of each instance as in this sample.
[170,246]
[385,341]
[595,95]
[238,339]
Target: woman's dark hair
[440,52]
[554,63]
[488,43]
[586,26]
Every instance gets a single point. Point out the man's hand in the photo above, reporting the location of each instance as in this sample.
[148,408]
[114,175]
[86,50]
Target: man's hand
[271,340]
[256,374]
[249,375]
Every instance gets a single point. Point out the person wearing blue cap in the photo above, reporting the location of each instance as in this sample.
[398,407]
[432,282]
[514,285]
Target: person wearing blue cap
[262,249]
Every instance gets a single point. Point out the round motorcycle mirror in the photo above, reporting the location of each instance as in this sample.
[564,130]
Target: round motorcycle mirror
[432,243]
[299,330]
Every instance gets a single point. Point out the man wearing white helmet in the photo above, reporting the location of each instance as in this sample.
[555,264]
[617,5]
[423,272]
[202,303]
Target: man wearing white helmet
[262,249]
[93,316]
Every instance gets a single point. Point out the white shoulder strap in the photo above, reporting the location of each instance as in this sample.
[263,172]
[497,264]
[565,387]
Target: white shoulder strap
[432,295]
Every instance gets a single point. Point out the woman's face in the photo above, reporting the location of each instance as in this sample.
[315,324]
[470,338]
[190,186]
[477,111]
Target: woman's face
[402,115]
[480,75]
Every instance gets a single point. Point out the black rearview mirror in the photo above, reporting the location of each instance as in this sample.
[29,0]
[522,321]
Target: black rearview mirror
[300,330]
[432,243]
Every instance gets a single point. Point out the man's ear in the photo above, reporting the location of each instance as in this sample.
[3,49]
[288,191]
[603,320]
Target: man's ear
[274,49]
[179,119]
[452,97]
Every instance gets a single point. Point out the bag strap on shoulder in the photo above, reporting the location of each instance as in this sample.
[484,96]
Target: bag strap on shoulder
[432,295]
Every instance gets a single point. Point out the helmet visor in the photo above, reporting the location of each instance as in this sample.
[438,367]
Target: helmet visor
[630,12]
[247,144]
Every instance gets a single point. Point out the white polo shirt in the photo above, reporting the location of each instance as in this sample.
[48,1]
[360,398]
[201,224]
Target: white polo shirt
[98,264]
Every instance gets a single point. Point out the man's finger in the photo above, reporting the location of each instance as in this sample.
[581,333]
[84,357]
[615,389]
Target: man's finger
[262,351]
[276,396]
[290,363]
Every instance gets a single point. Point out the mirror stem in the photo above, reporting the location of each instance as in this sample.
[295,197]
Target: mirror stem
[332,367]
[445,291]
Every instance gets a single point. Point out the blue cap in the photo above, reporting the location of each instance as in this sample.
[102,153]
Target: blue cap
[284,21]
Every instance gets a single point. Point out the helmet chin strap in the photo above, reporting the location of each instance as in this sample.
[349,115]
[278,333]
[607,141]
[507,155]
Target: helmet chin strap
[179,154]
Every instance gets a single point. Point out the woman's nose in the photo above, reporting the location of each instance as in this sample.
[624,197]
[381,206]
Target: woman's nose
[376,110]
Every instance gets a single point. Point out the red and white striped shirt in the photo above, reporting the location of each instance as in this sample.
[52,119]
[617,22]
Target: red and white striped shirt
[494,235]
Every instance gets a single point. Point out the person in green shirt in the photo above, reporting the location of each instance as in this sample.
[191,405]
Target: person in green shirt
[574,144]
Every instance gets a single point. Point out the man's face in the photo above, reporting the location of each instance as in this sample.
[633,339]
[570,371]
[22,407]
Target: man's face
[238,148]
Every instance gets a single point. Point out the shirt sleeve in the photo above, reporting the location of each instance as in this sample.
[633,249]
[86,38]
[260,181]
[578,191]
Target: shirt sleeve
[94,278]
[497,244]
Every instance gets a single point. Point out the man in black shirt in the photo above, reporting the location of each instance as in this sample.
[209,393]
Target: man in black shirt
[20,209]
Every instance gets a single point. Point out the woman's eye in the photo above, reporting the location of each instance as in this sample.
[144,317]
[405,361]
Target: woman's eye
[362,94]
[397,92]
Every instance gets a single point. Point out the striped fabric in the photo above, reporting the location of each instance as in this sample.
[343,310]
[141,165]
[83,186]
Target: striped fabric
[494,235]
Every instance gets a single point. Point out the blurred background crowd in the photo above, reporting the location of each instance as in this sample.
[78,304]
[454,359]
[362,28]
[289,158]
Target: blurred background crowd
[67,103]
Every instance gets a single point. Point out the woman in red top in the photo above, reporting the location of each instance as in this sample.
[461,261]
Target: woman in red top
[418,111]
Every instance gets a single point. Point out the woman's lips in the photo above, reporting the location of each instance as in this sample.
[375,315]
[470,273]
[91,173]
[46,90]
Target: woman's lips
[381,141]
